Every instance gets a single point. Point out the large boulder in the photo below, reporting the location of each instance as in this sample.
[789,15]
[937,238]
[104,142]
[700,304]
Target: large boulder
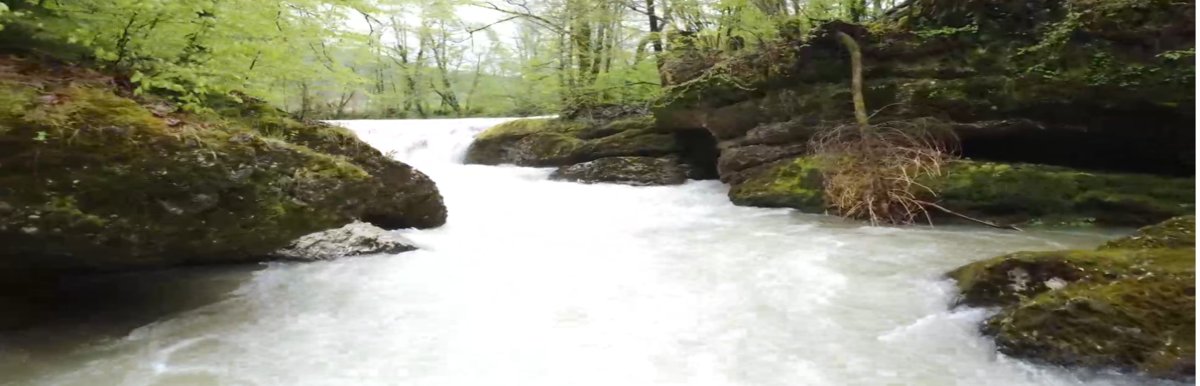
[557,142]
[1007,193]
[93,178]
[625,170]
[403,197]
[1128,306]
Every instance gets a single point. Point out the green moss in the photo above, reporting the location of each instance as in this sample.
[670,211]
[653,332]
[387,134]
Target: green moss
[14,101]
[631,143]
[1129,305]
[1179,232]
[1008,279]
[794,183]
[554,142]
[1009,193]
[112,185]
[546,149]
[523,127]
[1023,192]
[1144,324]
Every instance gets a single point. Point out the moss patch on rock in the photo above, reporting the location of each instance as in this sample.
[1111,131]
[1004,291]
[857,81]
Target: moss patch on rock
[1136,324]
[794,183]
[1012,278]
[1128,306]
[1009,193]
[1179,232]
[1024,193]
[403,196]
[557,142]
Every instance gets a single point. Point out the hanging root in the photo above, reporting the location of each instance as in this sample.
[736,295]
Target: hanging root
[874,174]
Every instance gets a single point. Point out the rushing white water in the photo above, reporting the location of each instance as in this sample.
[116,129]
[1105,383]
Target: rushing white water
[534,282]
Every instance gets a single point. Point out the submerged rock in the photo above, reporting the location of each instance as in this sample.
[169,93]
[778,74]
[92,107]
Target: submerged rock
[1007,193]
[92,179]
[1126,306]
[354,239]
[625,170]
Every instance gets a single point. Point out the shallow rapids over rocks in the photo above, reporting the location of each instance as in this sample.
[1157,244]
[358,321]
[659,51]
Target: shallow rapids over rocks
[539,282]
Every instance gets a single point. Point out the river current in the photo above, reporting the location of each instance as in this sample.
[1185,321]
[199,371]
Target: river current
[537,282]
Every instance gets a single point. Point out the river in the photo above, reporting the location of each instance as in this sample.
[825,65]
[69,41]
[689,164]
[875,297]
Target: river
[536,282]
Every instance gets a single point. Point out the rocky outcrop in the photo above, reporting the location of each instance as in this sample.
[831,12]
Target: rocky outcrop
[402,197]
[556,142]
[354,239]
[94,178]
[1006,193]
[625,170]
[1082,87]
[1129,305]
[588,150]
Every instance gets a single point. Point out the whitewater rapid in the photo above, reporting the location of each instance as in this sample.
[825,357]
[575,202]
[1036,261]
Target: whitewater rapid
[536,282]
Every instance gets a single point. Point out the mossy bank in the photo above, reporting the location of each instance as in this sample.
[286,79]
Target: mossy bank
[1023,194]
[628,149]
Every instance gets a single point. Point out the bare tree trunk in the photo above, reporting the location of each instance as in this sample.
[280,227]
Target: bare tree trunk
[305,100]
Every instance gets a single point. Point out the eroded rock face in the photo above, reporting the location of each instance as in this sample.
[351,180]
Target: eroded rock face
[627,150]
[93,180]
[625,170]
[1078,86]
[1068,83]
[1129,305]
[354,239]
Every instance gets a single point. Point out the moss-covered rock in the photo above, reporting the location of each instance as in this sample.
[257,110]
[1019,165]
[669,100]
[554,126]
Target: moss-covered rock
[1009,279]
[1179,232]
[93,179]
[1140,324]
[1022,193]
[794,183]
[403,196]
[1128,306]
[556,142]
[625,170]
[527,142]
[1008,193]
